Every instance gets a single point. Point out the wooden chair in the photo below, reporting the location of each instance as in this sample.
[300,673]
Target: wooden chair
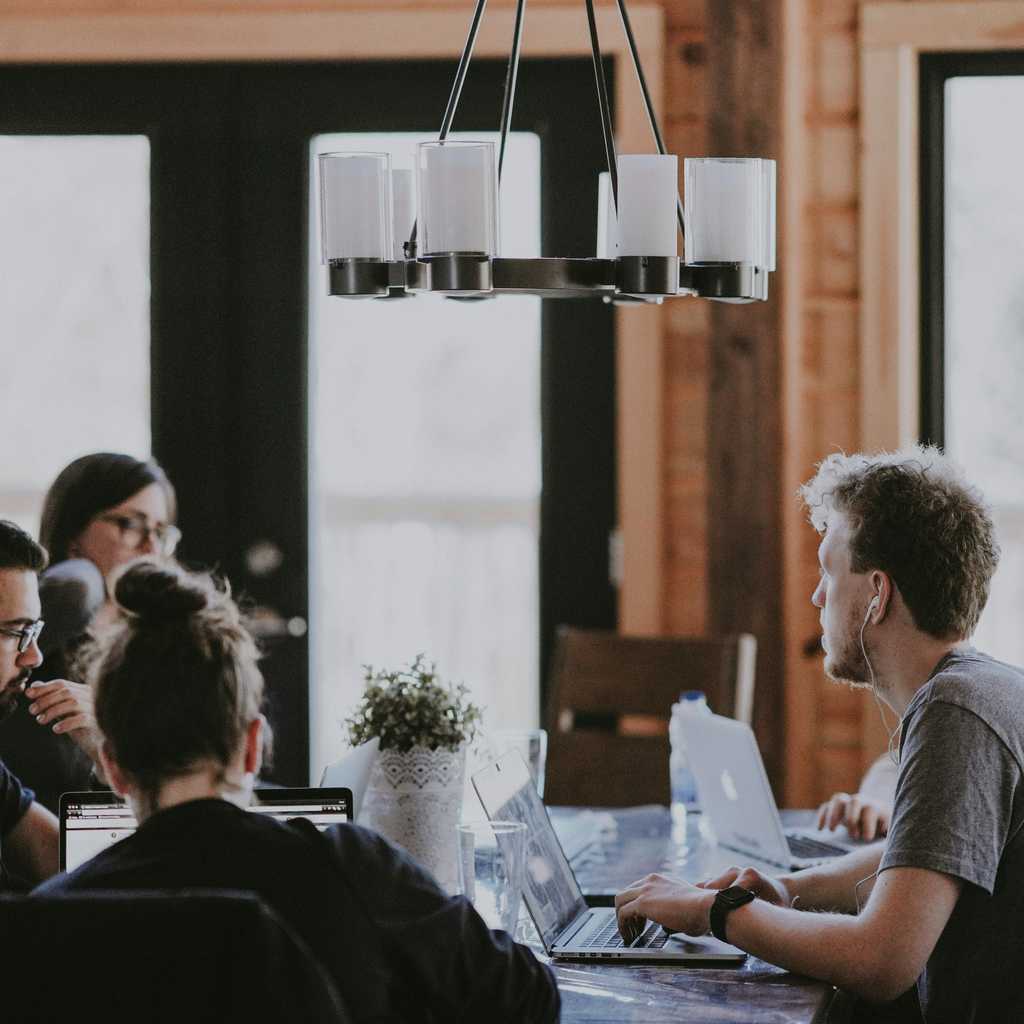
[610,700]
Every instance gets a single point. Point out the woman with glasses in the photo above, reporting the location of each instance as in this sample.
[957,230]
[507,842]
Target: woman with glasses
[102,511]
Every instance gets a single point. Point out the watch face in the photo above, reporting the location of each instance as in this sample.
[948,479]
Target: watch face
[735,896]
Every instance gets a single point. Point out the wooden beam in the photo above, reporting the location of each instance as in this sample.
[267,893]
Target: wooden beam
[800,680]
[980,25]
[245,34]
[745,426]
[889,271]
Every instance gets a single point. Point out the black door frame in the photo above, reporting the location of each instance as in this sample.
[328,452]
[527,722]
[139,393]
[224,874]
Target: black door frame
[218,376]
[935,70]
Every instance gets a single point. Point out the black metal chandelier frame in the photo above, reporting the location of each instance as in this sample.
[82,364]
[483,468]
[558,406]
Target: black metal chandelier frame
[622,279]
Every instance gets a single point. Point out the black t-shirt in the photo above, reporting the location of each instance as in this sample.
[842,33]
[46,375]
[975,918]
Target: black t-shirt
[397,946]
[14,802]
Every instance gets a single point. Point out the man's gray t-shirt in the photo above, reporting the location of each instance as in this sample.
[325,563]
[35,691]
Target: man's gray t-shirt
[959,810]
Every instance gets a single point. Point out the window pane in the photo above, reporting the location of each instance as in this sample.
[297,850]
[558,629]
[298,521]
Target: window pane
[74,306]
[425,427]
[984,342]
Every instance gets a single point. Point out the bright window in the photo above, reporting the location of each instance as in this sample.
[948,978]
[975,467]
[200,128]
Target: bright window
[74,307]
[425,463]
[984,332]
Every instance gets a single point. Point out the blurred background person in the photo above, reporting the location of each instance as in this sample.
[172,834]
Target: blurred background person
[868,812]
[103,510]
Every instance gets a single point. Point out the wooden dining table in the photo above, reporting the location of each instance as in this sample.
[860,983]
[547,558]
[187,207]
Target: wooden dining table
[610,849]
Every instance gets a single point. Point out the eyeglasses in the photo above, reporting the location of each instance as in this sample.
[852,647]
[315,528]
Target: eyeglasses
[135,531]
[27,635]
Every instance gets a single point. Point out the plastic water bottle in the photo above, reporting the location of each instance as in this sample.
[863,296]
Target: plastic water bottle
[683,785]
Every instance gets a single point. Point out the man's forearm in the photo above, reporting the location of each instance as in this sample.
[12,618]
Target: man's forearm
[833,886]
[832,947]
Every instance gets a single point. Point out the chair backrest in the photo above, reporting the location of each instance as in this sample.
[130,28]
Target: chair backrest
[202,955]
[610,699]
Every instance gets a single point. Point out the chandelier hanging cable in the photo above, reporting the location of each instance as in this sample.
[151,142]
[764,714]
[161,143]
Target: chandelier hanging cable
[450,243]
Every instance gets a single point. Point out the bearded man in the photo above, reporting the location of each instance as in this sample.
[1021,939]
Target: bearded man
[29,845]
[907,556]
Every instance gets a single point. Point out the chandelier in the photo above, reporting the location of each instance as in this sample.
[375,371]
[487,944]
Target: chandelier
[378,241]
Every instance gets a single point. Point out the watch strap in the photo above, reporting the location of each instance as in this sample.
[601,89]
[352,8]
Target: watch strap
[726,901]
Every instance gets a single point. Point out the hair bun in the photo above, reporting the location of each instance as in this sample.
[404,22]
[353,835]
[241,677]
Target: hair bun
[157,592]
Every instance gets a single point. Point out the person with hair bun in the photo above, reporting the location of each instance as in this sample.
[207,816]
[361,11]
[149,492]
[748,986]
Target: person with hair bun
[178,692]
[102,511]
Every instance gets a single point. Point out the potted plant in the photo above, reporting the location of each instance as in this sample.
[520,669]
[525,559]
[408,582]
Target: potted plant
[414,796]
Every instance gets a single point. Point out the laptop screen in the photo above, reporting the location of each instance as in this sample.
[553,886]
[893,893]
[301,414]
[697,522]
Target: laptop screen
[90,822]
[552,895]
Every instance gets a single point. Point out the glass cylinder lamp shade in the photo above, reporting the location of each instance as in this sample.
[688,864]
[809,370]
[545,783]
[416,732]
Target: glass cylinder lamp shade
[355,206]
[730,211]
[403,202]
[457,198]
[648,188]
[607,221]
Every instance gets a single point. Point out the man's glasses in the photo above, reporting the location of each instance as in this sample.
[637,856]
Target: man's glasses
[135,531]
[27,635]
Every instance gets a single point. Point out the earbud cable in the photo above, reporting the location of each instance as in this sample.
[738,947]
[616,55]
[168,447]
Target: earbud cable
[893,750]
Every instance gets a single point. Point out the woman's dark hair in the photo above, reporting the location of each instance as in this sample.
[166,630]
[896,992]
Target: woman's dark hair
[90,485]
[176,680]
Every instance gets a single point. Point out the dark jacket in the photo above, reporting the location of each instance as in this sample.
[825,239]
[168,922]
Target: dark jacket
[398,948]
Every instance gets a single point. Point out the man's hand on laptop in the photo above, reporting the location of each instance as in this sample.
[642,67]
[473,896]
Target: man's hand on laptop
[66,707]
[765,887]
[676,905]
[864,817]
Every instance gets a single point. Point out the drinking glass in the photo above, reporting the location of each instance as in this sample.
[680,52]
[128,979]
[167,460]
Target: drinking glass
[492,860]
[531,743]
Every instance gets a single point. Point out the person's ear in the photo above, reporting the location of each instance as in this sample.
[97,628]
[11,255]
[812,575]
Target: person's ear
[116,779]
[254,745]
[882,586]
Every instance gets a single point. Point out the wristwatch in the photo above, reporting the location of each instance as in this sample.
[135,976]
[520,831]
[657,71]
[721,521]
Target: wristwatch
[725,901]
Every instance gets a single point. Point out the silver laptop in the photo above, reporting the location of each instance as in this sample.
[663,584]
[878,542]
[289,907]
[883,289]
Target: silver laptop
[737,800]
[569,929]
[90,822]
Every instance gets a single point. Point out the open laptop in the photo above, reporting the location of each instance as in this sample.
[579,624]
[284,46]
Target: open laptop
[568,928]
[90,822]
[353,772]
[737,800]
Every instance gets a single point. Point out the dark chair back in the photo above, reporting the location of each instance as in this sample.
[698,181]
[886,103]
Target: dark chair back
[157,957]
[610,700]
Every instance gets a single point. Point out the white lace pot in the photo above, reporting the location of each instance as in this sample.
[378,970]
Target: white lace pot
[415,799]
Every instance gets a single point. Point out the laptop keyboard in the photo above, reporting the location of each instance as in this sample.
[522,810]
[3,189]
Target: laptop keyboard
[609,938]
[808,849]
